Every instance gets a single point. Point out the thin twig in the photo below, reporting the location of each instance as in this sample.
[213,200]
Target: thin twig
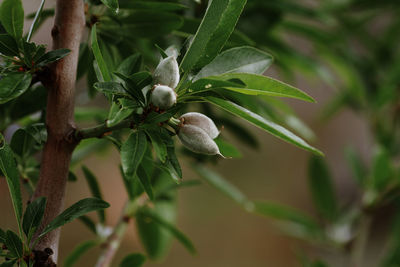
[36,18]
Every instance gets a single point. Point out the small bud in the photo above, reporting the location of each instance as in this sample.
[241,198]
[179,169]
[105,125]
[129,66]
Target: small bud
[197,140]
[167,72]
[201,121]
[163,97]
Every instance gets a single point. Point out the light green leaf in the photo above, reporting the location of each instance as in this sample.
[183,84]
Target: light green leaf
[9,168]
[262,123]
[133,260]
[237,60]
[12,17]
[132,152]
[14,85]
[216,27]
[94,189]
[322,189]
[75,211]
[98,56]
[78,251]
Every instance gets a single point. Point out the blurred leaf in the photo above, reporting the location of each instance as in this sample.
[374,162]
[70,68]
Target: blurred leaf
[76,210]
[33,216]
[94,189]
[237,60]
[152,5]
[89,223]
[98,56]
[241,133]
[130,65]
[392,255]
[133,260]
[322,189]
[151,215]
[14,85]
[12,17]
[113,88]
[8,46]
[132,152]
[78,251]
[262,123]
[2,236]
[9,169]
[382,169]
[14,244]
[216,27]
[227,149]
[112,4]
[356,165]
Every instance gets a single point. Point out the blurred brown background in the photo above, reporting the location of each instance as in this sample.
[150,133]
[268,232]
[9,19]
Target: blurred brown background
[223,234]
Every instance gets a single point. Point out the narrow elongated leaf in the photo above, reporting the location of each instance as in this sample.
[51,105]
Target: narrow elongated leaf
[76,210]
[113,88]
[158,144]
[33,216]
[94,189]
[222,185]
[382,169]
[322,189]
[13,85]
[112,4]
[263,123]
[52,56]
[14,244]
[78,251]
[89,223]
[133,260]
[263,85]
[132,152]
[12,17]
[145,180]
[130,65]
[237,60]
[216,27]
[9,169]
[357,167]
[185,241]
[98,56]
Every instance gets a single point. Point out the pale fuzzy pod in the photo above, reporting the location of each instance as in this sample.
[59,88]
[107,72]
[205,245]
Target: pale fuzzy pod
[167,72]
[197,140]
[172,51]
[201,121]
[163,97]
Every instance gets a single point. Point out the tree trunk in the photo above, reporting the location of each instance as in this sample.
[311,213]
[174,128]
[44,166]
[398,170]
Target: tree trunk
[66,33]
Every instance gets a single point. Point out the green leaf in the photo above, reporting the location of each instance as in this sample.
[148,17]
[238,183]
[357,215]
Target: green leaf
[216,27]
[227,149]
[151,215]
[78,251]
[262,123]
[89,223]
[133,260]
[152,5]
[2,236]
[52,56]
[8,263]
[76,210]
[112,4]
[9,169]
[12,17]
[322,189]
[14,85]
[98,56]
[130,65]
[121,111]
[14,244]
[132,152]
[237,60]
[33,216]
[145,180]
[94,189]
[382,169]
[8,46]
[263,85]
[22,143]
[113,88]
[357,167]
[222,185]
[158,143]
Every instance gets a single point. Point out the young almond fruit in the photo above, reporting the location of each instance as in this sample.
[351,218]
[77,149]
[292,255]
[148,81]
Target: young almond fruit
[167,72]
[197,140]
[163,97]
[201,121]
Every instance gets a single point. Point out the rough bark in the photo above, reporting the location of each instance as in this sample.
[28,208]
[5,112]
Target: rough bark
[60,82]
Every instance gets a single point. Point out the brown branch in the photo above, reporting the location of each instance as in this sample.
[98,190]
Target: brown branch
[67,31]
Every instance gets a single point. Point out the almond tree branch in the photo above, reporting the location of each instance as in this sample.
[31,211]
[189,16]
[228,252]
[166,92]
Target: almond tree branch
[100,130]
[67,31]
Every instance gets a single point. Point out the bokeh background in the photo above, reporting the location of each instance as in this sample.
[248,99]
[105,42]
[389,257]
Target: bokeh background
[223,234]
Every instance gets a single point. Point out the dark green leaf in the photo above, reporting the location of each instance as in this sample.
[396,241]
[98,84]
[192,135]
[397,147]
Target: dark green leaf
[8,46]
[132,152]
[145,180]
[98,56]
[133,260]
[78,251]
[227,149]
[113,88]
[382,169]
[216,27]
[9,168]
[14,244]
[152,5]
[357,166]
[22,143]
[121,111]
[237,60]
[33,216]
[2,236]
[13,85]
[322,189]
[8,263]
[12,17]
[76,210]
[158,144]
[130,65]
[89,223]
[112,4]
[52,56]
[263,123]
[94,189]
